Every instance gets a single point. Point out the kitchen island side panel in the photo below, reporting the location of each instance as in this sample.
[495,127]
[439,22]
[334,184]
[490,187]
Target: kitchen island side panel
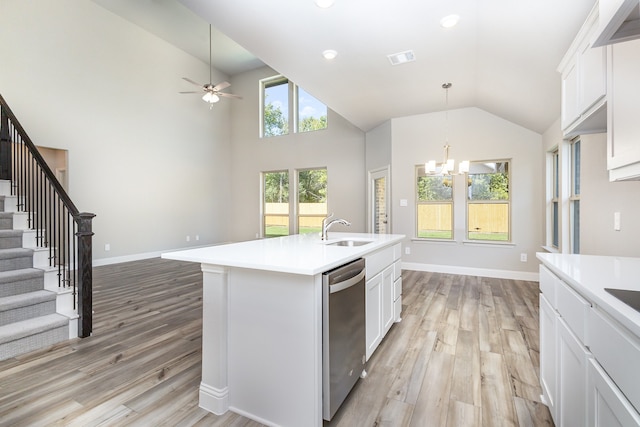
[275,347]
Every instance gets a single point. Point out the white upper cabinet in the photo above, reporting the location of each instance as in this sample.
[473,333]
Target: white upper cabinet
[623,135]
[619,21]
[584,85]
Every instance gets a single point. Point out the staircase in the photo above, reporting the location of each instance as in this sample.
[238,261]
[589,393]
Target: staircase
[45,250]
[28,317]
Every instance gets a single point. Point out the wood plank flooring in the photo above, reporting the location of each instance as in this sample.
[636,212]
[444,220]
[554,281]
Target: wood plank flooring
[465,354]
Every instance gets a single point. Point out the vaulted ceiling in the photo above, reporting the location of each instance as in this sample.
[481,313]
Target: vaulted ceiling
[501,57]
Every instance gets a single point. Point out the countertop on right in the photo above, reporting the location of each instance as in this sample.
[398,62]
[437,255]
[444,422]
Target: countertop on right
[589,275]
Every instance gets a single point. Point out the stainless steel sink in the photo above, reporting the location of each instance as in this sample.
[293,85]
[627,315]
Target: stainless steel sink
[349,242]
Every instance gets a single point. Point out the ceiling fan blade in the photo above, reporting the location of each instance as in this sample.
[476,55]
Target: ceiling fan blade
[221,86]
[192,92]
[192,82]
[229,95]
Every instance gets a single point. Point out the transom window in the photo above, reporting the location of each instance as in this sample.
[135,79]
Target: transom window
[488,201]
[434,204]
[277,118]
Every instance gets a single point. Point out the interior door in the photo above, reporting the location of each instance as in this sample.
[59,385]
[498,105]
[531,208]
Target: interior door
[379,207]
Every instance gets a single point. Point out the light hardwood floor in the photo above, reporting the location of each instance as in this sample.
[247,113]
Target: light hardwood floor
[465,354]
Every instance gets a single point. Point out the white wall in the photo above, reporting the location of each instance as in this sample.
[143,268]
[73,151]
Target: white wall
[339,148]
[473,135]
[150,163]
[600,198]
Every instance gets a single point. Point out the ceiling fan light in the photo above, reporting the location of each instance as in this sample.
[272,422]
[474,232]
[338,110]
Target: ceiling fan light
[210,97]
[449,21]
[329,54]
[324,3]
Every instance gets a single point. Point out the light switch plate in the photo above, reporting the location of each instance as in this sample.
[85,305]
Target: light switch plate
[403,202]
[616,221]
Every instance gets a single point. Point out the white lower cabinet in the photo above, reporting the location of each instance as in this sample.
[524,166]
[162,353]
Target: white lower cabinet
[548,353]
[383,294]
[608,406]
[588,363]
[572,378]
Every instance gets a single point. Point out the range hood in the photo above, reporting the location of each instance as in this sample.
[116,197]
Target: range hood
[619,20]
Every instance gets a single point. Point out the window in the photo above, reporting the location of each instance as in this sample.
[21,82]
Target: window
[488,201]
[277,118]
[275,203]
[312,200]
[555,198]
[574,200]
[275,107]
[312,114]
[434,204]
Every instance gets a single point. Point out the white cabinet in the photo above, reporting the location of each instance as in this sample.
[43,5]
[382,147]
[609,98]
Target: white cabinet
[548,353]
[397,291]
[572,378]
[609,407]
[381,301]
[623,121]
[618,21]
[588,362]
[583,70]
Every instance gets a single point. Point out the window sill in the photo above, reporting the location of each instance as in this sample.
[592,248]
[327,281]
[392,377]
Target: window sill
[551,249]
[488,243]
[425,240]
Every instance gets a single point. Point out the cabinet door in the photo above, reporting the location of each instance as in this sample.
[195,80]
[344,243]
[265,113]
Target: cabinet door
[592,76]
[374,313]
[387,299]
[623,93]
[572,378]
[569,111]
[548,354]
[607,405]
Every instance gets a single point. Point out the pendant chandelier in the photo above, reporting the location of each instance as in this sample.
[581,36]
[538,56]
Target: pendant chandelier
[447,167]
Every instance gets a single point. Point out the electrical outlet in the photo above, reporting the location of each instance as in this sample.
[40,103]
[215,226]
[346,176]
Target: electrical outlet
[616,221]
[523,257]
[407,250]
[107,247]
[188,238]
[197,237]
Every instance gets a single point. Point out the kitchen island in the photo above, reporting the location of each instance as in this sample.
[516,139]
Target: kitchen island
[262,320]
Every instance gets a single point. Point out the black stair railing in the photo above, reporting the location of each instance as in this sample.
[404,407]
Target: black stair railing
[59,226]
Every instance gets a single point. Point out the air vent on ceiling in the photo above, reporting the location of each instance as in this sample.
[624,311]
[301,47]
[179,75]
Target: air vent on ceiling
[401,57]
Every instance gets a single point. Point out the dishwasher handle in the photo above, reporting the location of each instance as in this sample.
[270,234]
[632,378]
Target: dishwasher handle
[340,286]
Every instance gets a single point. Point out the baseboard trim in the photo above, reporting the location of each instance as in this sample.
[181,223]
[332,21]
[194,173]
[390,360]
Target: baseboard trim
[471,271]
[138,257]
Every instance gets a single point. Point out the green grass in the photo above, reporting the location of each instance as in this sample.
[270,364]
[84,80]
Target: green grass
[495,237]
[281,230]
[435,234]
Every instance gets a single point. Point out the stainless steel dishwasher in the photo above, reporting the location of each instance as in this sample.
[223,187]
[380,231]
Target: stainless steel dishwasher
[343,333]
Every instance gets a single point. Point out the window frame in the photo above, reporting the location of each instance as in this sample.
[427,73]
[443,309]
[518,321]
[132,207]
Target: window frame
[263,213]
[574,198]
[507,201]
[418,203]
[298,215]
[293,105]
[554,199]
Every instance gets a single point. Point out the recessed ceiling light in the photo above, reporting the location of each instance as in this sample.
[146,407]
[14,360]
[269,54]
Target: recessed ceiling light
[324,3]
[449,21]
[401,57]
[329,54]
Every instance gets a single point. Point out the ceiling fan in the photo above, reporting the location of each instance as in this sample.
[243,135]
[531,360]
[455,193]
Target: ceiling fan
[212,93]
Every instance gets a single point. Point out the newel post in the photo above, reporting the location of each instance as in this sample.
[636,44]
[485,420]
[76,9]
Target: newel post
[85,274]
[5,146]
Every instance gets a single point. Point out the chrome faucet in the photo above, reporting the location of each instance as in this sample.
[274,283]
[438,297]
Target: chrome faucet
[327,225]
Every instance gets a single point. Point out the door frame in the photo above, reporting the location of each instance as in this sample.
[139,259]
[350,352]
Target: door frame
[374,174]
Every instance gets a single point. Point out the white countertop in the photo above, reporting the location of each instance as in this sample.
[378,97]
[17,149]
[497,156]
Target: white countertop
[590,274]
[297,254]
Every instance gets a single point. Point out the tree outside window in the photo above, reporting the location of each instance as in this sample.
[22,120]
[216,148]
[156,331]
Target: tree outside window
[434,205]
[312,200]
[488,201]
[276,203]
